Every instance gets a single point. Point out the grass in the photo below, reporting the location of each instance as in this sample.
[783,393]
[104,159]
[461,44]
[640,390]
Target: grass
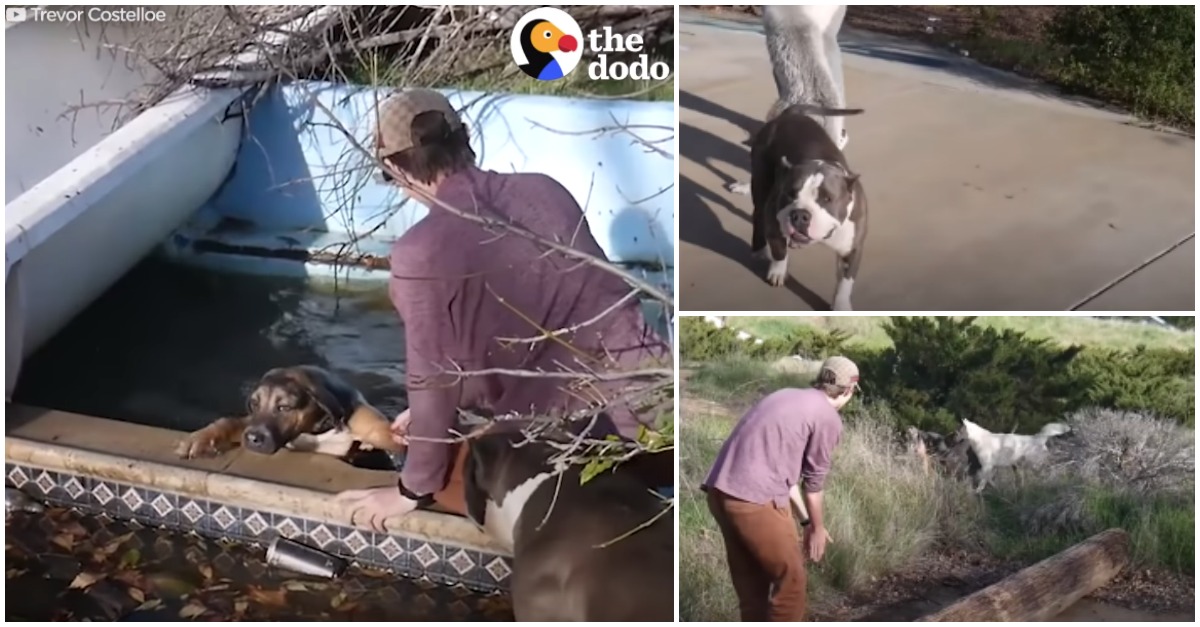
[868,330]
[884,511]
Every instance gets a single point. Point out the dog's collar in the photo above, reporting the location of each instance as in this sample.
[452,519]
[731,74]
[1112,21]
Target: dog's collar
[833,164]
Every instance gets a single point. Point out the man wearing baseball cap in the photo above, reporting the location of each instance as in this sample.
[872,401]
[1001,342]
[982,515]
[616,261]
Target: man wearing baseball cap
[478,298]
[785,440]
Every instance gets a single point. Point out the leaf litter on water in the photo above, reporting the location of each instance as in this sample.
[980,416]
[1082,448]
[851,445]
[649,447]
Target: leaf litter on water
[84,580]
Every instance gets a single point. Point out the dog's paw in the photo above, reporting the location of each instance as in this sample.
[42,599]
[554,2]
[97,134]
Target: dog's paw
[841,296]
[203,443]
[777,273]
[739,188]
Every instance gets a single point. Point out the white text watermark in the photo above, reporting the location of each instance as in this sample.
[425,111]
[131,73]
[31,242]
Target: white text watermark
[90,14]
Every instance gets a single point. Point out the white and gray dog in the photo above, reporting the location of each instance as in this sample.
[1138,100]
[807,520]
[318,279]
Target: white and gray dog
[996,450]
[806,62]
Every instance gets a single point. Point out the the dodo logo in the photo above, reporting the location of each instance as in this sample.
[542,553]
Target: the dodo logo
[547,43]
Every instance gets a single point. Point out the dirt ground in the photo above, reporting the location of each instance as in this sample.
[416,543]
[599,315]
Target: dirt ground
[940,579]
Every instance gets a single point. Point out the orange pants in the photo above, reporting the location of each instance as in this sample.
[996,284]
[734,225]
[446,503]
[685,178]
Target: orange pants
[765,558]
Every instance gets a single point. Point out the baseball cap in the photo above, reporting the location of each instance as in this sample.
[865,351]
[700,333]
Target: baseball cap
[841,372]
[393,130]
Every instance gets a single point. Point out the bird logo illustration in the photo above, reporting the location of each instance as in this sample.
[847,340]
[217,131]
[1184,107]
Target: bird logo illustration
[547,43]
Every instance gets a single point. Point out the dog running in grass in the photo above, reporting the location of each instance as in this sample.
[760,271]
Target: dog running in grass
[998,450]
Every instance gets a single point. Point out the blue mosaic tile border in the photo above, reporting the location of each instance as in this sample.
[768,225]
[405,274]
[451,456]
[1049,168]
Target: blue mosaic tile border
[440,563]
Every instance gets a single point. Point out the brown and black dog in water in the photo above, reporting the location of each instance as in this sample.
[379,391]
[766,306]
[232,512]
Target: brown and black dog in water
[310,409]
[600,551]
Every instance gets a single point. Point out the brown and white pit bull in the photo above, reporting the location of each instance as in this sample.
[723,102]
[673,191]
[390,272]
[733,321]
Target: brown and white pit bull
[601,551]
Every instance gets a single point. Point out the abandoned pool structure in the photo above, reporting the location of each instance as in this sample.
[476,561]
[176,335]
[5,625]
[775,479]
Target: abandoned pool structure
[154,272]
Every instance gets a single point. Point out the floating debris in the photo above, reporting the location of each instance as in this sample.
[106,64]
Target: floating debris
[304,559]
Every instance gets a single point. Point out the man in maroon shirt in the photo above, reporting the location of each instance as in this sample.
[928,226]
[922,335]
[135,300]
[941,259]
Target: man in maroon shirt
[787,437]
[473,297]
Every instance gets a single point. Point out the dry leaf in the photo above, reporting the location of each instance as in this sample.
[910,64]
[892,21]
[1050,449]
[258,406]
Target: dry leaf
[297,586]
[241,606]
[13,573]
[64,540]
[152,604]
[131,578]
[192,610]
[207,572]
[75,529]
[338,600]
[276,598]
[137,595]
[108,550]
[85,579]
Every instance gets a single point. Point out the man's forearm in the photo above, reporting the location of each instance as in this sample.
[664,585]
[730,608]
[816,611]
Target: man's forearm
[427,462]
[815,502]
[798,505]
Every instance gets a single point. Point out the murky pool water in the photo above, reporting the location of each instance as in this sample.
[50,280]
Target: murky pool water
[174,347]
[64,565]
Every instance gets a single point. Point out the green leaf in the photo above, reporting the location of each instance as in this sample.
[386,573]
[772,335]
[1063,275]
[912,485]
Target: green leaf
[594,468]
[130,559]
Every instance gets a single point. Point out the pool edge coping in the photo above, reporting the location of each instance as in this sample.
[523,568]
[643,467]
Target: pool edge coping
[213,484]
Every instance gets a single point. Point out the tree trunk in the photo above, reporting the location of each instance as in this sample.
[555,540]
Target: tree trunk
[1046,589]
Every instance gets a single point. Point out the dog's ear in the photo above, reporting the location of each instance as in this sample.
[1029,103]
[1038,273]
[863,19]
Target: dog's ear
[481,456]
[851,179]
[336,401]
[473,492]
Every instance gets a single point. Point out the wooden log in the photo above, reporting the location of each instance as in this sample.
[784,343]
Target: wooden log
[1044,590]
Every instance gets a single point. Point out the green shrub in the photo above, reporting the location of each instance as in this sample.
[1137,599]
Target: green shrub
[1156,381]
[940,370]
[1140,55]
[701,341]
[1181,322]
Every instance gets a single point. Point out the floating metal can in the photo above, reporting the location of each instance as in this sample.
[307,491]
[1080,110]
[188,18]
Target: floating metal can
[301,558]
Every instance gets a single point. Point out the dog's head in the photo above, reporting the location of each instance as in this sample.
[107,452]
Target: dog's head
[288,402]
[817,198]
[969,431]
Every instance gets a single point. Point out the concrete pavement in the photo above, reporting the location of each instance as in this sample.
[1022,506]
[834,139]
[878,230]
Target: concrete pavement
[987,192]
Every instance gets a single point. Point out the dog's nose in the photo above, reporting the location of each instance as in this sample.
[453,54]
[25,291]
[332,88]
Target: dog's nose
[260,439]
[800,219]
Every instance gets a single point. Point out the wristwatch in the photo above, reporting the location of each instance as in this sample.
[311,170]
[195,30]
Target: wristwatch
[423,500]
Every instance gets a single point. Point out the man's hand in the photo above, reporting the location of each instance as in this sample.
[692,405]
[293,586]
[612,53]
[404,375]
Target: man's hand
[400,428]
[374,506]
[815,539]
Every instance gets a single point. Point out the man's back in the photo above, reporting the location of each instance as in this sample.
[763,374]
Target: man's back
[496,285]
[789,433]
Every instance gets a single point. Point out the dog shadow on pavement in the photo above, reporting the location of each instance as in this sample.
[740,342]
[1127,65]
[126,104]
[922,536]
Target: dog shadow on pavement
[699,225]
[699,104]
